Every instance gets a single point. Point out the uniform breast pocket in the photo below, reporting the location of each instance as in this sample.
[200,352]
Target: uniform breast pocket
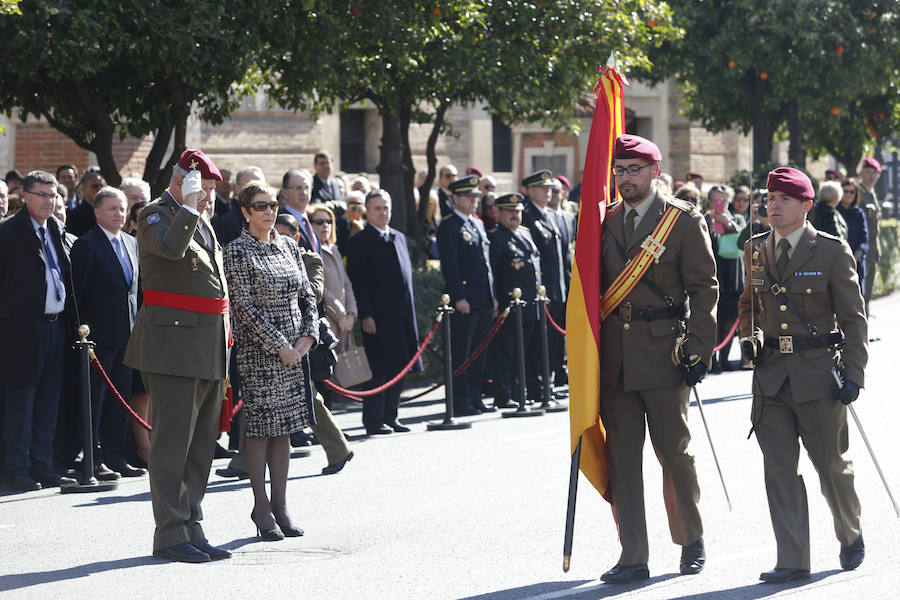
[165,316]
[665,273]
[812,290]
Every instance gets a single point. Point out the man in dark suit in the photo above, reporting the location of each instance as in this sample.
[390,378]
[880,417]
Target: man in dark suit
[35,287]
[295,190]
[324,186]
[465,261]
[67,175]
[105,276]
[81,219]
[229,225]
[516,263]
[446,176]
[224,202]
[179,343]
[543,225]
[381,273]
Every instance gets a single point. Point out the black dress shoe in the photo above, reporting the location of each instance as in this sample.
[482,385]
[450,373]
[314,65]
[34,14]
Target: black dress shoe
[126,470]
[399,427]
[300,439]
[183,552]
[232,472]
[626,574]
[214,553]
[481,407]
[382,430]
[51,479]
[506,404]
[267,535]
[104,473]
[693,558]
[221,452]
[332,469]
[560,395]
[852,556]
[777,575]
[21,482]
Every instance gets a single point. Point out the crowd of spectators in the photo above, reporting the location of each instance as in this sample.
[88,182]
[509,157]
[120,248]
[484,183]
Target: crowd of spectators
[82,231]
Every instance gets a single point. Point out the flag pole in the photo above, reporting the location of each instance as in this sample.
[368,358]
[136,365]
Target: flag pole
[570,508]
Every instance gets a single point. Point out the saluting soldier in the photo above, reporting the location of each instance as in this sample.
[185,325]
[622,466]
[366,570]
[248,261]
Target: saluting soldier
[542,222]
[639,380]
[516,264]
[465,261]
[179,345]
[801,315]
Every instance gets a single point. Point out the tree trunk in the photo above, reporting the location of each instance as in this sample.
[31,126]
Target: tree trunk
[415,231]
[796,151]
[153,171]
[437,125]
[850,161]
[390,167]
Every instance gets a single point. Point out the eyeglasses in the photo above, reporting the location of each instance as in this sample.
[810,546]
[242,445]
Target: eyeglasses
[632,171]
[490,187]
[320,221]
[262,205]
[44,195]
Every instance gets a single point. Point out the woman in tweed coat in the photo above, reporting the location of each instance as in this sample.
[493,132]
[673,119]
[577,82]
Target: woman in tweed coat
[277,325]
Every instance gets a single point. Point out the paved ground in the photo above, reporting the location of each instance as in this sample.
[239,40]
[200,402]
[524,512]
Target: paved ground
[476,513]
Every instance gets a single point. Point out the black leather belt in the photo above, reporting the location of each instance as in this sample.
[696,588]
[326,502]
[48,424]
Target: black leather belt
[627,312]
[788,344]
[50,318]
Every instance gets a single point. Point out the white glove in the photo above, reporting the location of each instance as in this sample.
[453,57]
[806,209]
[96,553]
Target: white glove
[191,189]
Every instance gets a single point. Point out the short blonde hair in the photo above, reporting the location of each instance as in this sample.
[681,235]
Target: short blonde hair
[312,209]
[830,192]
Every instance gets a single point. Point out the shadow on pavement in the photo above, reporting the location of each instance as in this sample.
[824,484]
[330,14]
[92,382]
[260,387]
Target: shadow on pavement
[759,590]
[23,580]
[529,590]
[558,588]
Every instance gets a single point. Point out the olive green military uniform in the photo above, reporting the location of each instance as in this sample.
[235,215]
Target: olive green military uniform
[640,383]
[793,384]
[182,357]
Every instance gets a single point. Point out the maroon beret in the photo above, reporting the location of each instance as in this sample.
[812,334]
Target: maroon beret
[565,181]
[474,171]
[634,146]
[871,162]
[792,182]
[833,173]
[193,160]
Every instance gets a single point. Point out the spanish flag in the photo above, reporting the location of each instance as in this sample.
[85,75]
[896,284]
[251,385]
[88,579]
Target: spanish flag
[583,312]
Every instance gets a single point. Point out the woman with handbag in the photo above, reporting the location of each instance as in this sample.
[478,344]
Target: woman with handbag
[725,224]
[278,324]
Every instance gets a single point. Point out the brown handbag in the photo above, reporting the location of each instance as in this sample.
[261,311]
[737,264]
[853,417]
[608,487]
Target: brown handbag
[352,366]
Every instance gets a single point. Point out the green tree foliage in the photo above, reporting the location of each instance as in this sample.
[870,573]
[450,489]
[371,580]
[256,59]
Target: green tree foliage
[95,69]
[529,61]
[767,64]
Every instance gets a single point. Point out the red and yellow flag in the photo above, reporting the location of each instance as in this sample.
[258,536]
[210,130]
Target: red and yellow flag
[583,312]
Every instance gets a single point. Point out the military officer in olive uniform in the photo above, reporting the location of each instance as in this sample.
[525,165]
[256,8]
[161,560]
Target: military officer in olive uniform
[801,292]
[639,381]
[542,222]
[179,344]
[465,261]
[516,264]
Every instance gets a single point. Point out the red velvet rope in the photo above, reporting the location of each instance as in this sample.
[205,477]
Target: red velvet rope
[99,368]
[728,337]
[357,396]
[550,320]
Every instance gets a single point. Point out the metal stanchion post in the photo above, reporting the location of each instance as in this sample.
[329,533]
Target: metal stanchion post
[449,422]
[523,411]
[87,482]
[549,404]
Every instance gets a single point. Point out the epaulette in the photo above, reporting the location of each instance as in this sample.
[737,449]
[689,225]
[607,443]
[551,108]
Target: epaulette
[829,236]
[612,205]
[683,205]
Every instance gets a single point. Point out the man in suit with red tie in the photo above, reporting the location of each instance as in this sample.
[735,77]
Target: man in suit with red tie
[105,276]
[35,291]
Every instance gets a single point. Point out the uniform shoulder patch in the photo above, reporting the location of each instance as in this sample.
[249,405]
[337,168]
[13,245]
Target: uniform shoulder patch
[153,218]
[828,236]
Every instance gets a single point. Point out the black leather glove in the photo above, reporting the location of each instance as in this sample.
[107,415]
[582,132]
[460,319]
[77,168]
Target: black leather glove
[848,393]
[694,374]
[750,350]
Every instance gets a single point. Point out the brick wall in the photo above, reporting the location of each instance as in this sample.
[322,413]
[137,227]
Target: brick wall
[39,146]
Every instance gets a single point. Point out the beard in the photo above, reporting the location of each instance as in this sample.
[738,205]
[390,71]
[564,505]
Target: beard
[632,193]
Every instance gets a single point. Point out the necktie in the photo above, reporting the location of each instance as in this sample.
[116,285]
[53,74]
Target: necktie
[54,268]
[123,260]
[782,263]
[629,225]
[313,239]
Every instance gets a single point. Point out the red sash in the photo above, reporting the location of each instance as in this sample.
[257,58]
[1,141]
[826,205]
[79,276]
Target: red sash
[200,304]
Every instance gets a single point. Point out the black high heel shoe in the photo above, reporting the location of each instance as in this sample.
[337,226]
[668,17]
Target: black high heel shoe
[287,529]
[267,535]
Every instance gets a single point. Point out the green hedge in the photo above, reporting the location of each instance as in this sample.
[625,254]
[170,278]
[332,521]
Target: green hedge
[428,285]
[889,262]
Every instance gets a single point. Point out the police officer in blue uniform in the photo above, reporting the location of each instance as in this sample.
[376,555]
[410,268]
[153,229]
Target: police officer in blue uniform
[549,239]
[516,264]
[465,262]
